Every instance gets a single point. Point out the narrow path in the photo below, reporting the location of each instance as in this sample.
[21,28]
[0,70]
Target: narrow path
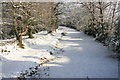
[83,57]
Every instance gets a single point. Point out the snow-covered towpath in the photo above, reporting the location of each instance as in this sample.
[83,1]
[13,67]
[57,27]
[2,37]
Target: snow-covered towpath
[83,57]
[18,60]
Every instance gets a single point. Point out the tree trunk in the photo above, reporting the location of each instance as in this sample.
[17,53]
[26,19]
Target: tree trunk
[20,42]
[30,33]
[14,26]
[101,33]
[101,16]
[16,33]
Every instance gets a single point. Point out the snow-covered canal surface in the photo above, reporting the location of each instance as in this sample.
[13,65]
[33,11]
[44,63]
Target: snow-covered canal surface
[83,57]
[79,56]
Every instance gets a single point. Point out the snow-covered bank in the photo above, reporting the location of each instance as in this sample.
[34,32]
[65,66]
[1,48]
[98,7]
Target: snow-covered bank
[16,60]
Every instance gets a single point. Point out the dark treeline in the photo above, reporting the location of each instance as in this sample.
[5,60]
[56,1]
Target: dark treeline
[26,18]
[98,19]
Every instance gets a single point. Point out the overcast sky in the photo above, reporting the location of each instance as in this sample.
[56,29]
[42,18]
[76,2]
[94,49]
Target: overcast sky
[60,0]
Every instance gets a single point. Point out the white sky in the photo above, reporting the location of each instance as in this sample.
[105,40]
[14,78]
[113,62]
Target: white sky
[60,0]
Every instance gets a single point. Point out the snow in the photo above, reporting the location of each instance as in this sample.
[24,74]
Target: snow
[18,59]
[83,57]
[76,56]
